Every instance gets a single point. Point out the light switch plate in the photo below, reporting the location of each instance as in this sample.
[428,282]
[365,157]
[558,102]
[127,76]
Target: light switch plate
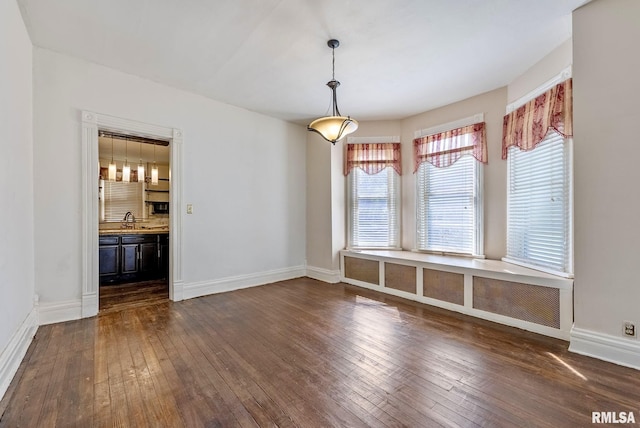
[189,208]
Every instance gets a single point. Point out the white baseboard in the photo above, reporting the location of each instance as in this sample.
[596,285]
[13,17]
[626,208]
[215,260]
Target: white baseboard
[16,349]
[325,275]
[618,350]
[204,288]
[50,313]
[90,305]
[178,291]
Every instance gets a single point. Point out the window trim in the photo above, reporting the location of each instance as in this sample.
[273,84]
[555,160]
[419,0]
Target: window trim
[559,78]
[460,123]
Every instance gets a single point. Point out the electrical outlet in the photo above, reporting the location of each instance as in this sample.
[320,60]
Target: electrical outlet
[629,329]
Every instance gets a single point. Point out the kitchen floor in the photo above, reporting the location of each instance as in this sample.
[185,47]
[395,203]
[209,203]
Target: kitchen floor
[114,298]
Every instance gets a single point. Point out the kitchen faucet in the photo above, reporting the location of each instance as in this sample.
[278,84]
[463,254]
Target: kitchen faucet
[129,221]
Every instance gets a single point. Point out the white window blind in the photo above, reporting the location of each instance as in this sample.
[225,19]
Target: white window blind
[117,198]
[373,209]
[539,205]
[449,207]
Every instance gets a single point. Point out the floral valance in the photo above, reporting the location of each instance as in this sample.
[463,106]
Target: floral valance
[444,148]
[526,126]
[372,157]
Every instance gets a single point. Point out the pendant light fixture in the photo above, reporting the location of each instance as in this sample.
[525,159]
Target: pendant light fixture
[335,127]
[154,169]
[126,168]
[140,164]
[112,165]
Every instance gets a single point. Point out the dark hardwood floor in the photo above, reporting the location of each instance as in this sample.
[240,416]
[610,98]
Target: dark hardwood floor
[115,298]
[308,354]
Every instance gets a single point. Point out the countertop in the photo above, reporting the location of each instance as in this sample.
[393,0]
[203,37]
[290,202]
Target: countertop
[151,231]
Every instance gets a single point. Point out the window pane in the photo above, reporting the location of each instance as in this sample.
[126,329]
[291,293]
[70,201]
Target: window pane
[448,207]
[538,220]
[373,209]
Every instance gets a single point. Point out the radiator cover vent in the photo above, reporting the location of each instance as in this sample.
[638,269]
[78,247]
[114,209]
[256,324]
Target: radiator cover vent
[526,302]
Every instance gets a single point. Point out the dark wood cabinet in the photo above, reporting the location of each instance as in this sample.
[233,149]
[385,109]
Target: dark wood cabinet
[149,259]
[163,242]
[109,258]
[133,257]
[129,258]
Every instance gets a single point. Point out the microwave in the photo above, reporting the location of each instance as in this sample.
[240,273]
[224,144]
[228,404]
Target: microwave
[159,207]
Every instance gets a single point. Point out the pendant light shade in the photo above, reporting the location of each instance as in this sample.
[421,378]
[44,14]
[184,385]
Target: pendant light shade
[140,164]
[335,127]
[126,168]
[154,175]
[112,166]
[154,169]
[140,172]
[112,172]
[126,173]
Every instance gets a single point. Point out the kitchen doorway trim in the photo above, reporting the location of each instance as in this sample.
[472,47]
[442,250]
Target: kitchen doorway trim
[91,123]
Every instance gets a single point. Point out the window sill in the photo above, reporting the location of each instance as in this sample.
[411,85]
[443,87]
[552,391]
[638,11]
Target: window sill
[538,268]
[480,267]
[449,254]
[373,249]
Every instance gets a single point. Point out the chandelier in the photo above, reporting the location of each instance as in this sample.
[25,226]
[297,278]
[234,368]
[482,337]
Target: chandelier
[335,127]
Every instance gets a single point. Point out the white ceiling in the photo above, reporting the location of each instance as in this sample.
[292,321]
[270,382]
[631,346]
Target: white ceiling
[397,57]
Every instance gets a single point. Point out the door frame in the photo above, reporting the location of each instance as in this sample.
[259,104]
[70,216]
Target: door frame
[91,123]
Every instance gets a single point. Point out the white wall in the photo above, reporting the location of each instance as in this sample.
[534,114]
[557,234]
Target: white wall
[606,155]
[338,204]
[243,172]
[319,211]
[16,172]
[542,71]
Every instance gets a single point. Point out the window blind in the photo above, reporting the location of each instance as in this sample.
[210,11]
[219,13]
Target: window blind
[117,198]
[373,211]
[449,207]
[539,205]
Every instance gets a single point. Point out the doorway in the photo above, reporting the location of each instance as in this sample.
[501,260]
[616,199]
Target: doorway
[92,123]
[133,220]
